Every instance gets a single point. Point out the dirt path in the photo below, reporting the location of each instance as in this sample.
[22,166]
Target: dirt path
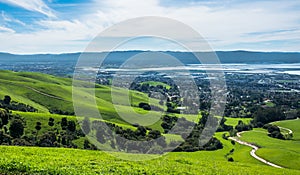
[44,94]
[37,91]
[287,129]
[255,148]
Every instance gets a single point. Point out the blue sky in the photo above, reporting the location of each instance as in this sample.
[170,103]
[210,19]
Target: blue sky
[57,26]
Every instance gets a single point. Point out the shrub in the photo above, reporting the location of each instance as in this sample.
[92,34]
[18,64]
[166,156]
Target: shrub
[230,159]
[16,129]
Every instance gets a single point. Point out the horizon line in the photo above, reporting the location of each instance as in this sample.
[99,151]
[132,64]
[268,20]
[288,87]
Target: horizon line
[132,50]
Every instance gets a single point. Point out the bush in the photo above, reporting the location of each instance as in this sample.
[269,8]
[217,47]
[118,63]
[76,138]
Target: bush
[5,139]
[242,126]
[274,131]
[266,126]
[273,128]
[21,142]
[16,129]
[232,142]
[145,106]
[230,159]
[86,126]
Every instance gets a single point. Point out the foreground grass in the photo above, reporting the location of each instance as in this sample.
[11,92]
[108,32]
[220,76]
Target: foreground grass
[31,160]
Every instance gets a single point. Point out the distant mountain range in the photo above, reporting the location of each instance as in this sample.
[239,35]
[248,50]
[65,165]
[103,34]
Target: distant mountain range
[118,57]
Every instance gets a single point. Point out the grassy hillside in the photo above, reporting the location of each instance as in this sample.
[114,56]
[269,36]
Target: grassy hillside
[293,125]
[46,93]
[285,153]
[69,161]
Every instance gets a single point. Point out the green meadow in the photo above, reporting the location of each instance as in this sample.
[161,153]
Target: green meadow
[282,152]
[156,83]
[46,93]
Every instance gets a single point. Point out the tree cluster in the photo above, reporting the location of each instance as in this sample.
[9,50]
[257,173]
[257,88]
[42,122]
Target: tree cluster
[266,115]
[126,139]
[274,131]
[7,103]
[12,130]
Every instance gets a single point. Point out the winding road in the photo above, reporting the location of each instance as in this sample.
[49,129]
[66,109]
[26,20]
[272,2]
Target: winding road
[255,148]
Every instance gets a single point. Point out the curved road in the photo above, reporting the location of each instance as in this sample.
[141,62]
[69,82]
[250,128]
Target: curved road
[255,148]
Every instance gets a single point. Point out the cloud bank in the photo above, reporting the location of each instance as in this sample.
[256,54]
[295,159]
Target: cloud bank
[226,25]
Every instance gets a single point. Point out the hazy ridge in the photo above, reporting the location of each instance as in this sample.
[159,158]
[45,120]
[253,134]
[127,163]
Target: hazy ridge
[118,57]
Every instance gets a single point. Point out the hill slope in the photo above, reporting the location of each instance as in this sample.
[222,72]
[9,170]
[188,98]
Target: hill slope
[47,94]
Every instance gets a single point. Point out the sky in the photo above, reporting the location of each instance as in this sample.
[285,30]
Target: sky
[64,26]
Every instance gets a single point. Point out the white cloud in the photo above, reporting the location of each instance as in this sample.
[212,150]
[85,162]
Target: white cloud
[223,26]
[10,19]
[32,5]
[6,30]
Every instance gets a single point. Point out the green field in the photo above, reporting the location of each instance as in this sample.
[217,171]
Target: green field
[30,160]
[293,125]
[285,153]
[46,92]
[156,83]
[235,121]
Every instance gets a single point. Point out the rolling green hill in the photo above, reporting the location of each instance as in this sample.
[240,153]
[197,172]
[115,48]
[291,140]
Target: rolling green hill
[285,153]
[292,125]
[48,93]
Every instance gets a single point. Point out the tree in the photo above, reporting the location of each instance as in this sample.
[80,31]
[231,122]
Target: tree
[267,115]
[38,127]
[154,134]
[6,99]
[86,126]
[4,116]
[100,136]
[230,159]
[71,126]
[86,144]
[145,106]
[242,126]
[51,121]
[204,118]
[232,142]
[64,123]
[48,139]
[273,128]
[4,138]
[16,129]
[141,131]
